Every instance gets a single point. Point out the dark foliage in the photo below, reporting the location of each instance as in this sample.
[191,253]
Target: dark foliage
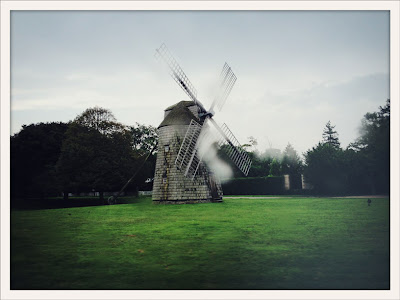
[144,138]
[374,148]
[92,153]
[34,153]
[90,160]
[254,186]
[324,168]
[362,168]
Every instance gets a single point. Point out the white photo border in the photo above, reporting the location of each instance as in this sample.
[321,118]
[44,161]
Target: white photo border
[8,6]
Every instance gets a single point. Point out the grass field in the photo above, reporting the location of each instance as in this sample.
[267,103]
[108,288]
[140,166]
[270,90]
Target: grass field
[287,243]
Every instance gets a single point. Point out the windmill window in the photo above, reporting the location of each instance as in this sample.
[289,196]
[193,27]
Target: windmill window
[166,148]
[164,180]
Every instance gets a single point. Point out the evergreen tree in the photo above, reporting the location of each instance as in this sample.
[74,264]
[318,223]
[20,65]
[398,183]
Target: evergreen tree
[291,162]
[324,163]
[330,136]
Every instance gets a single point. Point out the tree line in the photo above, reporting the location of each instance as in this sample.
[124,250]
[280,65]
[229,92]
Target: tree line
[362,167]
[92,153]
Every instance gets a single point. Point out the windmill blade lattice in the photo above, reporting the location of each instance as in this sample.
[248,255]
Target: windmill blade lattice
[187,152]
[234,150]
[204,142]
[189,157]
[227,80]
[176,72]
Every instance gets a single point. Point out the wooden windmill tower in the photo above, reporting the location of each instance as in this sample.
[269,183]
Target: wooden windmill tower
[182,175]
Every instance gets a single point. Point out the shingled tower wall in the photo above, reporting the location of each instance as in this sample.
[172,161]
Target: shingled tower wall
[170,186]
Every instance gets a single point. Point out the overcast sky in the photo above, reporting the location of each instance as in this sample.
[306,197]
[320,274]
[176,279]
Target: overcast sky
[296,70]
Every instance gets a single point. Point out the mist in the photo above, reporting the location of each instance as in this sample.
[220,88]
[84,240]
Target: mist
[207,146]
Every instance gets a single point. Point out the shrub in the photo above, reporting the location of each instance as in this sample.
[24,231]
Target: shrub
[254,186]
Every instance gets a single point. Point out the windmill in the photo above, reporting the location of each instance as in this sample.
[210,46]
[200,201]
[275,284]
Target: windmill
[182,175]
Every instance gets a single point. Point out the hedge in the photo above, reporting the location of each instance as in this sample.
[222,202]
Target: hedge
[254,186]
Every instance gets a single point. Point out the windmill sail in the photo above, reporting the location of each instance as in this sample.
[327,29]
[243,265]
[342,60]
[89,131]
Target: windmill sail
[227,80]
[178,74]
[234,150]
[189,158]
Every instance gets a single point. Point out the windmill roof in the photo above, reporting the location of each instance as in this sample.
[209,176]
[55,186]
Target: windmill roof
[179,114]
[185,103]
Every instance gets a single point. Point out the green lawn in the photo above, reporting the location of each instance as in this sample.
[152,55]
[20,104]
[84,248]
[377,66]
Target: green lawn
[288,243]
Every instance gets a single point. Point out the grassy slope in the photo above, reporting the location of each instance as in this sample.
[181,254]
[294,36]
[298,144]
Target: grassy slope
[303,243]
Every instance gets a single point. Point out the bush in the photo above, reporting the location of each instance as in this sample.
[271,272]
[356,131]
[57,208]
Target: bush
[254,186]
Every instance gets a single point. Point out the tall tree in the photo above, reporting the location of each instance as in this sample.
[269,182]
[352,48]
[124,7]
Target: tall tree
[34,153]
[374,145]
[96,153]
[330,135]
[291,162]
[364,167]
[324,164]
[100,119]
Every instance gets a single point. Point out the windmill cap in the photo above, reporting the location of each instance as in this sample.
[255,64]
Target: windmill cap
[179,114]
[185,103]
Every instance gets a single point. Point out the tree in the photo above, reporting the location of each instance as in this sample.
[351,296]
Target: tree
[96,153]
[34,154]
[324,164]
[144,138]
[356,169]
[272,153]
[275,168]
[100,119]
[330,136]
[291,162]
[324,169]
[252,143]
[364,167]
[292,165]
[374,146]
[260,165]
